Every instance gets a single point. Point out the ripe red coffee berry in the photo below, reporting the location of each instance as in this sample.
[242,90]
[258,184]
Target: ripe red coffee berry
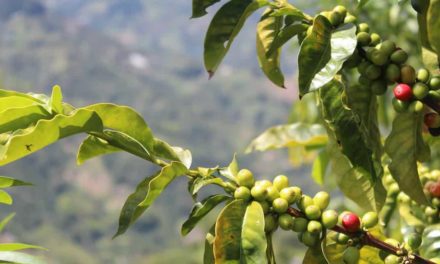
[403,92]
[351,222]
[434,189]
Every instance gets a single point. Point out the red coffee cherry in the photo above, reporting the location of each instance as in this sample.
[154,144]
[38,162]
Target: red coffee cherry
[434,189]
[403,92]
[351,222]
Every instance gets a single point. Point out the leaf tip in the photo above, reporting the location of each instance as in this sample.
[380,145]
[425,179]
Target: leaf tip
[210,74]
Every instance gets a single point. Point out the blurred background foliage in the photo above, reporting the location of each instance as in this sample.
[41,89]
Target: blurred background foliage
[148,55]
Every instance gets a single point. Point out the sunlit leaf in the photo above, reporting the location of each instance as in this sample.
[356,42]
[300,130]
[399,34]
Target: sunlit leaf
[19,257]
[146,193]
[93,147]
[12,119]
[199,7]
[56,100]
[267,30]
[319,167]
[227,243]
[5,221]
[199,183]
[200,210]
[253,237]
[405,146]
[6,182]
[224,27]
[162,149]
[5,198]
[285,34]
[231,171]
[430,247]
[18,246]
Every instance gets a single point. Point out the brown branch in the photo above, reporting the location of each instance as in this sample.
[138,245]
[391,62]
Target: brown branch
[368,239]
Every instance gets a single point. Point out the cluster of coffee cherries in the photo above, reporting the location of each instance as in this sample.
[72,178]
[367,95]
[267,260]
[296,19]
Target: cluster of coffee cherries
[286,207]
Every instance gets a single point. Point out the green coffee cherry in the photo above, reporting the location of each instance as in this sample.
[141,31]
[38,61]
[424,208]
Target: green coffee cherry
[379,87]
[416,107]
[245,178]
[370,220]
[434,94]
[259,192]
[285,221]
[351,255]
[342,239]
[399,57]
[403,198]
[354,60]
[388,47]
[363,38]
[309,239]
[336,18]
[270,223]
[375,39]
[434,83]
[272,193]
[300,224]
[364,81]
[263,183]
[341,10]
[329,218]
[400,106]
[420,90]
[304,201]
[266,206]
[242,193]
[429,211]
[313,212]
[363,27]
[392,259]
[321,199]
[379,57]
[407,74]
[362,67]
[314,227]
[373,72]
[290,194]
[280,182]
[350,19]
[414,240]
[423,75]
[392,73]
[280,205]
[393,189]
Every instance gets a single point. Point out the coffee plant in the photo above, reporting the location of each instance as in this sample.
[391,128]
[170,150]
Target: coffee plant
[345,72]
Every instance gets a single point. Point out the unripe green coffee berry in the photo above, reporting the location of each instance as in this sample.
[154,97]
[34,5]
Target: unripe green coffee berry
[321,199]
[354,60]
[270,223]
[435,201]
[400,106]
[341,10]
[399,56]
[373,72]
[363,38]
[285,221]
[416,107]
[429,211]
[313,212]
[393,190]
[280,205]
[379,57]
[363,27]
[351,255]
[407,74]
[342,239]
[388,47]
[266,206]
[280,182]
[290,194]
[329,218]
[272,193]
[434,83]
[364,81]
[242,193]
[304,202]
[300,224]
[420,90]
[259,193]
[314,227]
[375,39]
[336,18]
[309,239]
[379,87]
[392,259]
[370,220]
[350,19]
[263,183]
[362,67]
[403,198]
[414,240]
[392,73]
[245,178]
[423,75]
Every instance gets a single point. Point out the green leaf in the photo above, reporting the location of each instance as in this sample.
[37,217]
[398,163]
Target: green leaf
[430,247]
[92,147]
[430,58]
[409,215]
[126,120]
[208,255]
[5,198]
[7,99]
[56,100]
[433,25]
[362,3]
[270,254]
[46,132]
[146,193]
[290,135]
[227,242]
[200,210]
[223,29]
[323,53]
[161,149]
[6,182]
[319,167]
[199,183]
[199,7]
[231,171]
[405,146]
[285,34]
[18,246]
[253,237]
[6,220]
[18,257]
[267,29]
[12,119]
[284,8]
[314,255]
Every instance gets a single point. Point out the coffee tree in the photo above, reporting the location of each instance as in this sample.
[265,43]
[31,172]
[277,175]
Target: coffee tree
[345,71]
